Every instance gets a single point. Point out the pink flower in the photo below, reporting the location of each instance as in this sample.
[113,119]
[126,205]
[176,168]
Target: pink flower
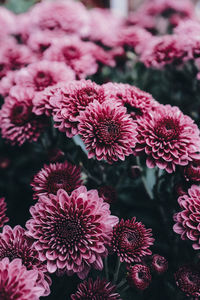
[188,280]
[98,289]
[67,16]
[163,51]
[17,282]
[159,264]
[3,218]
[15,244]
[56,176]
[17,122]
[168,138]
[75,53]
[14,56]
[70,100]
[131,240]
[187,220]
[7,22]
[77,229]
[192,171]
[107,131]
[139,276]
[137,102]
[108,193]
[43,74]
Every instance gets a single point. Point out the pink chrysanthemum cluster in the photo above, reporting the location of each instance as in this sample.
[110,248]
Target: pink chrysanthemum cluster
[76,227]
[187,220]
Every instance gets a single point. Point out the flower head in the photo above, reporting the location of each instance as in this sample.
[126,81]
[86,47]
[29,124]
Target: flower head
[139,276]
[188,280]
[3,218]
[192,171]
[77,229]
[95,290]
[15,244]
[70,100]
[159,263]
[56,176]
[187,220]
[107,131]
[17,282]
[108,193]
[17,121]
[168,138]
[131,240]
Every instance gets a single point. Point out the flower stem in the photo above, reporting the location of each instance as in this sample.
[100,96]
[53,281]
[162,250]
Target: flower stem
[125,289]
[106,267]
[116,273]
[122,282]
[148,191]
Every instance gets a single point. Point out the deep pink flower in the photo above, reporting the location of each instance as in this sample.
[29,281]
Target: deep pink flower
[77,54]
[17,282]
[159,263]
[56,176]
[139,276]
[192,171]
[137,102]
[188,219]
[107,131]
[66,16]
[131,240]
[188,280]
[70,100]
[77,229]
[95,290]
[15,244]
[168,138]
[164,50]
[17,121]
[3,218]
[43,74]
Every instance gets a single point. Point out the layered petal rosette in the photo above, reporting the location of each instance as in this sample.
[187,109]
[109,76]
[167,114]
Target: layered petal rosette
[17,282]
[76,228]
[56,176]
[131,240]
[168,138]
[94,290]
[108,131]
[188,219]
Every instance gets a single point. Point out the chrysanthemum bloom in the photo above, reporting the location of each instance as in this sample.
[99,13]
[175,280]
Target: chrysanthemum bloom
[66,16]
[3,218]
[14,56]
[108,193]
[187,220]
[139,276]
[41,100]
[95,290]
[131,240]
[75,53]
[164,51]
[68,101]
[107,131]
[56,176]
[43,74]
[77,229]
[192,171]
[17,282]
[188,280]
[168,138]
[159,264]
[17,121]
[15,244]
[137,102]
